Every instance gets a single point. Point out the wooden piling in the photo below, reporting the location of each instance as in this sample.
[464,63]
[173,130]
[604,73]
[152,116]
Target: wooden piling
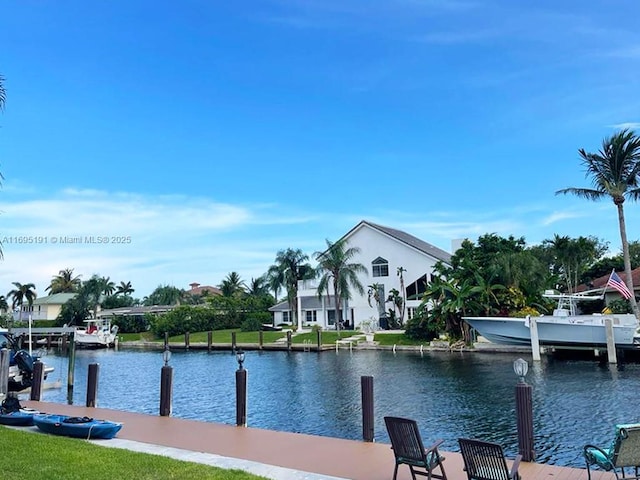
[611,344]
[37,379]
[92,385]
[166,390]
[4,372]
[366,384]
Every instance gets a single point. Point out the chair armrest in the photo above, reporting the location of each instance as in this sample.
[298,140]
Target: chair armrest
[435,445]
[433,449]
[514,468]
[589,457]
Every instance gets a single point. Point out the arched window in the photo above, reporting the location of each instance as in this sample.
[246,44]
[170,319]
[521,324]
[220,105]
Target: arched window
[380,267]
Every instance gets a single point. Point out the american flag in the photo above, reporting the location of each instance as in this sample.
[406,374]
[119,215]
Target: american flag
[616,282]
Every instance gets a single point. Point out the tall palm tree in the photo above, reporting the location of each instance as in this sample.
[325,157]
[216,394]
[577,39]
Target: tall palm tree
[614,173]
[336,270]
[20,294]
[64,282]
[124,289]
[292,266]
[276,280]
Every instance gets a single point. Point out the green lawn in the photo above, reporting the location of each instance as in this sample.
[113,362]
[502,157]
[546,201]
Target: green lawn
[224,336]
[46,457]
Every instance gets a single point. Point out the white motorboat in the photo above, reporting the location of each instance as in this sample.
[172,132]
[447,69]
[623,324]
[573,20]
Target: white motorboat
[97,333]
[566,327]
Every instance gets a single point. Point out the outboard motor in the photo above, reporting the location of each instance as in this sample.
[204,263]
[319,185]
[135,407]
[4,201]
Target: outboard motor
[10,404]
[24,361]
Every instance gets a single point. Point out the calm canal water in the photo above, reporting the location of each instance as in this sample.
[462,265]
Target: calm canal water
[450,395]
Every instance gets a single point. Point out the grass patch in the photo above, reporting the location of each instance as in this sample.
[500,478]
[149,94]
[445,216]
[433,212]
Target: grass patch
[328,337]
[224,336]
[130,337]
[44,457]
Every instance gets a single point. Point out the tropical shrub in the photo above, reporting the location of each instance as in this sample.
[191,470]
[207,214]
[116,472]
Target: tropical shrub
[523,312]
[620,306]
[253,322]
[425,325]
[132,324]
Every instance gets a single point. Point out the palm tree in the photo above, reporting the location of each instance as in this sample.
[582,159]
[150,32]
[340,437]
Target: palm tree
[64,282]
[124,289]
[291,265]
[4,306]
[336,270]
[257,287]
[108,287]
[614,173]
[20,294]
[275,279]
[232,285]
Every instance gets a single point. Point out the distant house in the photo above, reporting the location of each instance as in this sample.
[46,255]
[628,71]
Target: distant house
[382,251]
[610,293]
[44,308]
[203,290]
[138,312]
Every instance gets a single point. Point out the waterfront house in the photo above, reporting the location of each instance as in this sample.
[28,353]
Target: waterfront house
[383,250]
[43,308]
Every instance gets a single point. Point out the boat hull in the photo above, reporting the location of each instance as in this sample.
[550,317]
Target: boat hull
[78,427]
[16,419]
[571,331]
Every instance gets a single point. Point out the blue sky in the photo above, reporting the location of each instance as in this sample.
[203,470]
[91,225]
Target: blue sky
[216,133]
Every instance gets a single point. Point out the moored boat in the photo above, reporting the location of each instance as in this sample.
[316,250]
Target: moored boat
[566,327]
[78,427]
[98,333]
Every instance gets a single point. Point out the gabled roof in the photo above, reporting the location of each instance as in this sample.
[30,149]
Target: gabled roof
[55,299]
[405,238]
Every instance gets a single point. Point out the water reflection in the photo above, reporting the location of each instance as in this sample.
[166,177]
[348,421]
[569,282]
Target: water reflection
[451,395]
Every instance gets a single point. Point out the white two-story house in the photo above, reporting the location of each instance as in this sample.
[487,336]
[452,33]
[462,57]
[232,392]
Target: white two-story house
[383,251]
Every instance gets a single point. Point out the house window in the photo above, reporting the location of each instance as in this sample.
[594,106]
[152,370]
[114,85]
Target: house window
[286,317]
[380,267]
[415,290]
[331,317]
[411,311]
[312,316]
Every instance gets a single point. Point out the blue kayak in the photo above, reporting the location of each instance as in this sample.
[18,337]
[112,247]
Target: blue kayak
[79,427]
[17,419]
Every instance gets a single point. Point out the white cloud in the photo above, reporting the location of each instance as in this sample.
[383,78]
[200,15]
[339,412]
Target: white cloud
[148,240]
[176,240]
[629,125]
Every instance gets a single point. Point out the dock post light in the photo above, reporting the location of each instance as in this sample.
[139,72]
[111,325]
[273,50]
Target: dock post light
[241,391]
[240,358]
[524,412]
[521,367]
